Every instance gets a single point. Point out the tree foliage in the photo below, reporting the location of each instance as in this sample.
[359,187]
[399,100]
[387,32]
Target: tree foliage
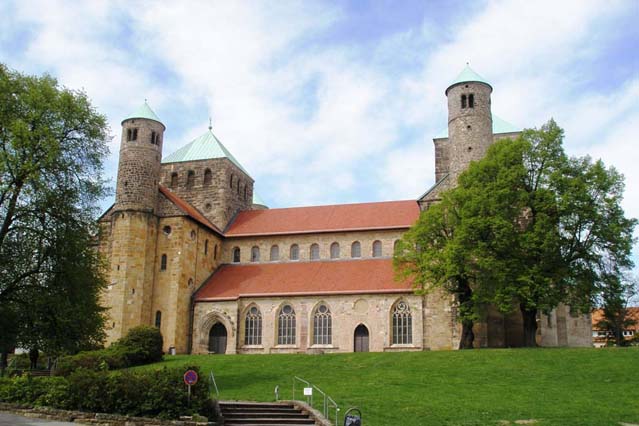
[52,147]
[533,228]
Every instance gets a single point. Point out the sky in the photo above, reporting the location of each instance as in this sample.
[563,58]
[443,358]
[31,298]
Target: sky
[338,101]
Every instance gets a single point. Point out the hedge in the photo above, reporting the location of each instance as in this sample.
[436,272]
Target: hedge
[141,345]
[149,393]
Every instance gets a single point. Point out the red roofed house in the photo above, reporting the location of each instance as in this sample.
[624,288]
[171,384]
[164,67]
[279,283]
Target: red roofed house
[193,251]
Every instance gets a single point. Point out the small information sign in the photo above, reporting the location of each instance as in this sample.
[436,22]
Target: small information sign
[308,391]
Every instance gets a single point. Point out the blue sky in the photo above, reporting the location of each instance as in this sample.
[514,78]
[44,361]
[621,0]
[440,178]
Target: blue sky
[338,101]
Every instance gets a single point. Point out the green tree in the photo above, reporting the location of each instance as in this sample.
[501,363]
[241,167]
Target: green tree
[52,147]
[616,317]
[536,228]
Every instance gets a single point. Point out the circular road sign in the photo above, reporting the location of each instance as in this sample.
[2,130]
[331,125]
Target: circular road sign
[190,377]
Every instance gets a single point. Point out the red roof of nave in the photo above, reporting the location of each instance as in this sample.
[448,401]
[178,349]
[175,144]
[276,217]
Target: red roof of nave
[231,282]
[191,211]
[334,218]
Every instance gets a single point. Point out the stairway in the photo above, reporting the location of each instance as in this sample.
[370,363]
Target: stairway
[257,413]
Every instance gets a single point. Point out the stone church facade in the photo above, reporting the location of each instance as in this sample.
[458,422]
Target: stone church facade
[192,250]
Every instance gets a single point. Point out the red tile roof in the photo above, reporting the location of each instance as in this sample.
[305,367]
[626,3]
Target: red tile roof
[633,313]
[231,282]
[341,217]
[190,211]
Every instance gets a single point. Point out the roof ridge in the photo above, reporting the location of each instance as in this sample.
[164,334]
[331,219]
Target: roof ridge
[335,205]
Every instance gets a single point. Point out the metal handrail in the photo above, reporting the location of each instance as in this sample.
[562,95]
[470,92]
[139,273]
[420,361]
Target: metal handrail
[327,401]
[212,384]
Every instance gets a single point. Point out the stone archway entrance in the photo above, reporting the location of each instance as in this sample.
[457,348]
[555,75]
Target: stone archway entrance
[361,338]
[217,339]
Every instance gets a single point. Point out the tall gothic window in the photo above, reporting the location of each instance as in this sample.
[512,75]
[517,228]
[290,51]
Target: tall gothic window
[275,253]
[295,252]
[335,251]
[377,248]
[255,254]
[236,255]
[208,176]
[402,324]
[286,326]
[356,249]
[315,255]
[322,326]
[253,327]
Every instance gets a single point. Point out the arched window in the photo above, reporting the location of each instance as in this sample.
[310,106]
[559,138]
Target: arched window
[215,252]
[208,176]
[231,182]
[255,254]
[154,138]
[238,186]
[471,101]
[206,247]
[402,324]
[174,180]
[314,252]
[335,250]
[275,253]
[245,193]
[377,248]
[463,101]
[322,326]
[356,249]
[190,179]
[253,327]
[236,255]
[395,246]
[286,326]
[295,252]
[163,263]
[158,319]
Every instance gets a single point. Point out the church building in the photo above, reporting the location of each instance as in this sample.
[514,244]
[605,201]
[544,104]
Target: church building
[193,250]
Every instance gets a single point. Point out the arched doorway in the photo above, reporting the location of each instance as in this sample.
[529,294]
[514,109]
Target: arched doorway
[361,338]
[217,339]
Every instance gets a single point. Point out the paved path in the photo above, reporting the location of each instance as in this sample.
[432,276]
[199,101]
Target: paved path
[13,420]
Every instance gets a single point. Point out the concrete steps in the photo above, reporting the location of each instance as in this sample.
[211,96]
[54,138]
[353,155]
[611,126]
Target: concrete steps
[257,413]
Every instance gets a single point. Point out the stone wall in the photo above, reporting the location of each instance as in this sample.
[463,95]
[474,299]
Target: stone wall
[347,312]
[304,242]
[217,200]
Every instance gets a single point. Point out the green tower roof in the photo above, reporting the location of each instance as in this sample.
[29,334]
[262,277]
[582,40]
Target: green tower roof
[144,111]
[204,147]
[499,126]
[468,75]
[258,200]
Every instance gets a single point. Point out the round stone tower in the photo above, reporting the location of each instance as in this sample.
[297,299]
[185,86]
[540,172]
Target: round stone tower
[470,124]
[140,158]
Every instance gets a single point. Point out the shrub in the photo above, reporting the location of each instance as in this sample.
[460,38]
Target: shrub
[141,345]
[160,393]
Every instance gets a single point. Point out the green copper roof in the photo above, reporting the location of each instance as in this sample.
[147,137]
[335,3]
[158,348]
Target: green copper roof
[205,147]
[257,199]
[466,76]
[499,126]
[144,111]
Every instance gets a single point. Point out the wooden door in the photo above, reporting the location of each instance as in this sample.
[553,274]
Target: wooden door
[361,338]
[217,339]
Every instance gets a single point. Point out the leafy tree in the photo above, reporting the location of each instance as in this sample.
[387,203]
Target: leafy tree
[534,228]
[52,147]
[614,305]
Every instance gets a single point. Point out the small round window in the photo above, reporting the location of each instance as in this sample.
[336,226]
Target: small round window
[322,309]
[287,309]
[254,310]
[166,230]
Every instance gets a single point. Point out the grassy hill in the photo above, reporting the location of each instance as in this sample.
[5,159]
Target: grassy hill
[558,387]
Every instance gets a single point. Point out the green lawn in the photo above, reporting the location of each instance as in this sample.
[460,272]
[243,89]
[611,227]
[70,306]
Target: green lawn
[559,387]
